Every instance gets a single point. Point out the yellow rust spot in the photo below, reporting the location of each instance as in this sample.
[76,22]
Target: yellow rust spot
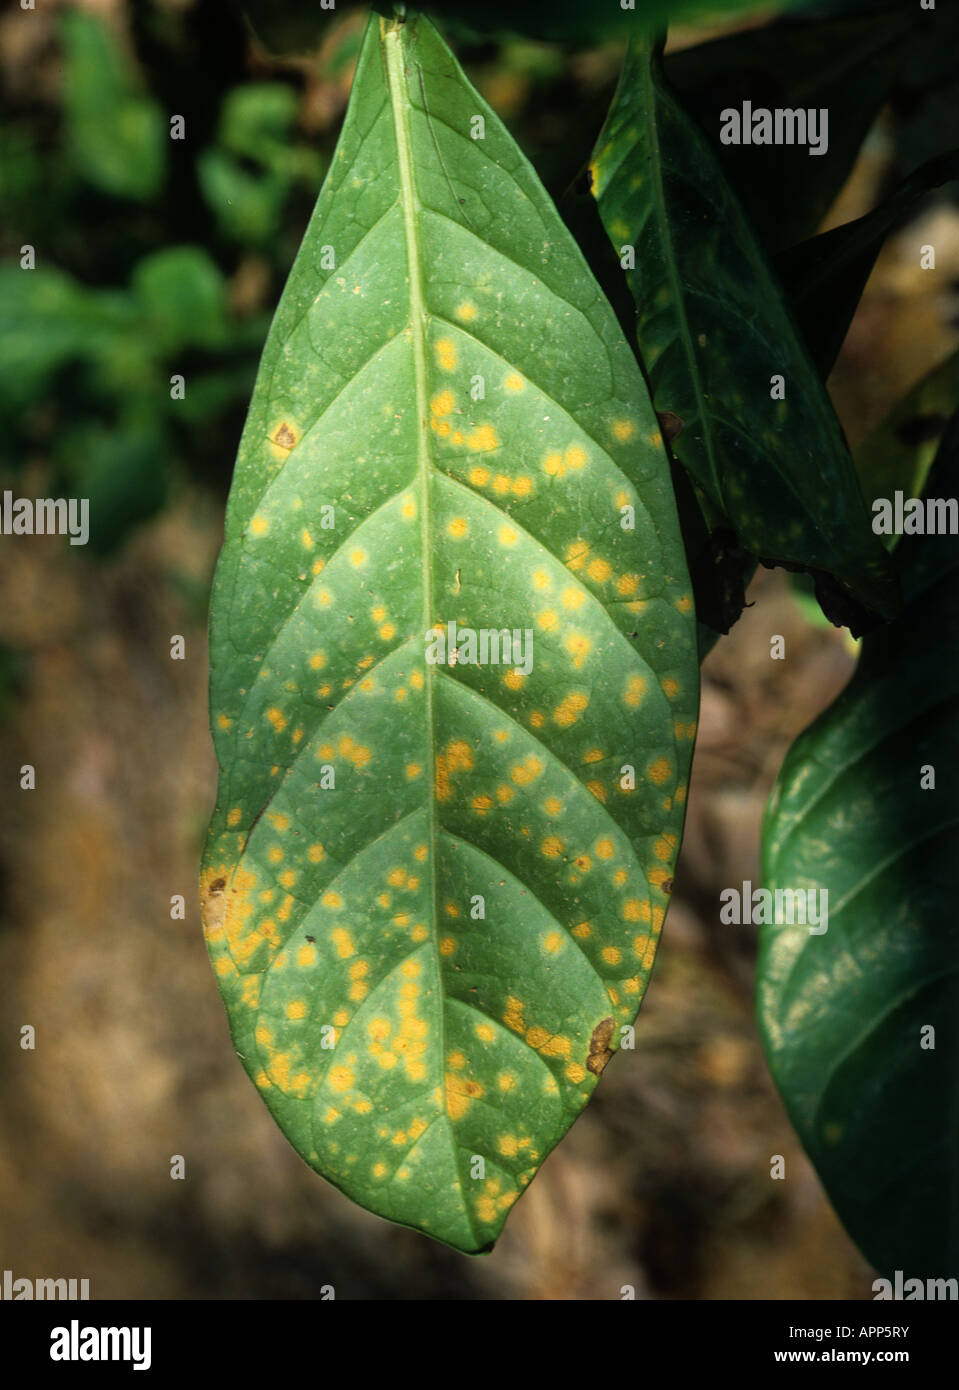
[276,718]
[458,528]
[659,771]
[306,955]
[527,771]
[466,312]
[624,430]
[636,910]
[635,690]
[442,404]
[482,439]
[552,945]
[460,1094]
[513,1017]
[456,757]
[445,354]
[570,708]
[234,817]
[670,687]
[259,526]
[343,943]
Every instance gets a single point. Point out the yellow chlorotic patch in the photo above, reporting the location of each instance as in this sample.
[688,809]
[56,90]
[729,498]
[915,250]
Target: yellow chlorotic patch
[466,312]
[460,1094]
[636,910]
[526,771]
[579,647]
[611,955]
[553,943]
[514,382]
[482,439]
[507,536]
[670,687]
[442,404]
[445,354]
[259,526]
[552,847]
[479,477]
[659,771]
[277,719]
[570,708]
[458,528]
[456,757]
[623,429]
[635,690]
[296,1009]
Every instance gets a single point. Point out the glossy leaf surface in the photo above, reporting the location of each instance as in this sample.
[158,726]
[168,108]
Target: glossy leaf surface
[846,1015]
[432,892]
[718,346]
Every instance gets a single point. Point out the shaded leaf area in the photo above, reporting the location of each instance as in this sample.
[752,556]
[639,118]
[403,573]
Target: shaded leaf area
[824,277]
[292,25]
[845,1016]
[446,871]
[899,452]
[717,345]
[847,65]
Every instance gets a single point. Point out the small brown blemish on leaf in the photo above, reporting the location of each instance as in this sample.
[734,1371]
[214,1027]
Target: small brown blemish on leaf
[284,437]
[667,885]
[599,1049]
[672,425]
[213,905]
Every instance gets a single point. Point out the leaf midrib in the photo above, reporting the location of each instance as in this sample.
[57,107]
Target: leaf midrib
[391,34]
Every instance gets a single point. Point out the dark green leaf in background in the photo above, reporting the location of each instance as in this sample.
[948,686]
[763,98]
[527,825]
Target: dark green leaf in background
[847,65]
[842,1014]
[444,372]
[117,136]
[713,331]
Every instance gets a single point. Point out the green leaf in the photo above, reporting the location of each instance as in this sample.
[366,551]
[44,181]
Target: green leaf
[846,65]
[115,134]
[713,332]
[842,1013]
[899,452]
[182,297]
[351,911]
[824,277]
[46,321]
